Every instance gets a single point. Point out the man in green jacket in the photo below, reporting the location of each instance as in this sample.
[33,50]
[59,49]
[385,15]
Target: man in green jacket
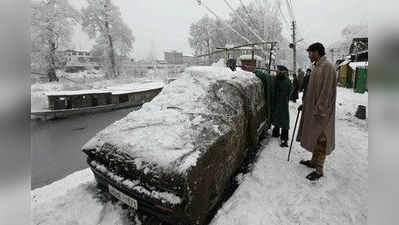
[280,112]
[267,81]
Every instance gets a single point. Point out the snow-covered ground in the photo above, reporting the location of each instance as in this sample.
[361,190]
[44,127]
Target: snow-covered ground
[275,192]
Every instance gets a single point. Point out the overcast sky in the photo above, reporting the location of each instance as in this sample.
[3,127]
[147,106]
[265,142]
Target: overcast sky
[163,25]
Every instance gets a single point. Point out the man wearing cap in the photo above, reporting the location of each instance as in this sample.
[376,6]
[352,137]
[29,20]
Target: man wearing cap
[280,97]
[316,131]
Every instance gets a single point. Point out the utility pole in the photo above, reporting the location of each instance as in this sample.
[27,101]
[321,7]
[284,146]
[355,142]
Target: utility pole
[294,45]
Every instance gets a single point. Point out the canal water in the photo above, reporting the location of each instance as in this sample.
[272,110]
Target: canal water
[56,144]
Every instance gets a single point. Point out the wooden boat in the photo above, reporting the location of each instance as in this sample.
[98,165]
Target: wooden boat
[68,103]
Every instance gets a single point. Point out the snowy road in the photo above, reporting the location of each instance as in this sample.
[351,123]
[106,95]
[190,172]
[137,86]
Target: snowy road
[274,193]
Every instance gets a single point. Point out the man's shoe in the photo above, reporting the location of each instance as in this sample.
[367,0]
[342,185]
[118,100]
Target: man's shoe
[314,176]
[284,144]
[308,163]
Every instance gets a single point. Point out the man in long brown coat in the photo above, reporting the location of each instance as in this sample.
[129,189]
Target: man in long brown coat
[317,126]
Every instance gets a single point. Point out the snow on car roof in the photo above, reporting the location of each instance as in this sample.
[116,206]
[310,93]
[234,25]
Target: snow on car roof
[165,131]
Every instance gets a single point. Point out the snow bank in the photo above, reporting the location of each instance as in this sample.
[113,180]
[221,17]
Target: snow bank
[74,200]
[219,63]
[166,131]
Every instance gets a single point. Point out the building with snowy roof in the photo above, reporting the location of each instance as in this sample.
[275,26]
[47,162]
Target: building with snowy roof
[74,60]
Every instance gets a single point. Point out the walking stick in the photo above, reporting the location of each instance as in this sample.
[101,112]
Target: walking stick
[293,134]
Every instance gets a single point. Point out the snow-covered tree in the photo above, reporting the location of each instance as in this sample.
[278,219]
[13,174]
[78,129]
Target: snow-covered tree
[206,35]
[200,36]
[354,30]
[51,29]
[341,47]
[102,20]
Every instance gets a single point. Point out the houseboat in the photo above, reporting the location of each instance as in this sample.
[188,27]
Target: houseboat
[63,104]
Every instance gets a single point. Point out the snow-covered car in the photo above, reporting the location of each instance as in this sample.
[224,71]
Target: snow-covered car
[175,156]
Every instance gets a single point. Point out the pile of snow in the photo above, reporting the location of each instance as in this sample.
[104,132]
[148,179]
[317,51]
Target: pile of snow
[165,132]
[75,200]
[219,63]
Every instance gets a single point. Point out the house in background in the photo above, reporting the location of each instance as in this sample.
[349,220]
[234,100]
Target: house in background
[359,50]
[353,69]
[74,61]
